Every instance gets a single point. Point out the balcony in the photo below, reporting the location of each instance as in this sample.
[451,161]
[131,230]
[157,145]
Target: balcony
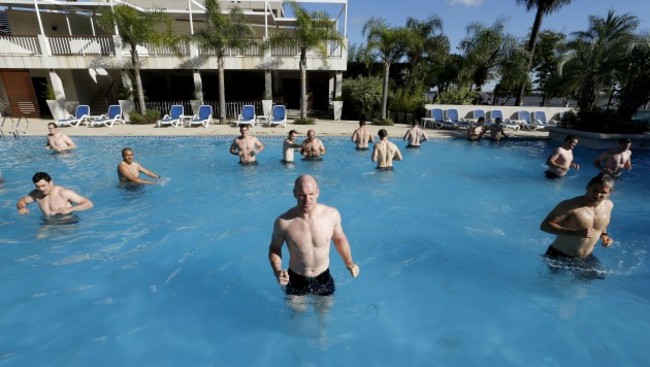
[80,51]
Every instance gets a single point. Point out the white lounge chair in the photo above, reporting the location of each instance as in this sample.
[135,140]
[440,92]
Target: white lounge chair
[278,116]
[539,120]
[174,118]
[247,115]
[203,117]
[81,115]
[113,115]
[434,116]
[506,123]
[523,120]
[452,117]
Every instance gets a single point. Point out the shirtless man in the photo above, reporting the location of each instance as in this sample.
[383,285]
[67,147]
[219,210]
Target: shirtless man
[385,152]
[496,131]
[308,228]
[52,199]
[475,132]
[129,170]
[58,141]
[616,159]
[561,159]
[578,224]
[415,135]
[362,136]
[312,148]
[289,146]
[246,147]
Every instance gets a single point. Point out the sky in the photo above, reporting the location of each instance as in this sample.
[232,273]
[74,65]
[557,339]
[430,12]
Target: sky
[457,14]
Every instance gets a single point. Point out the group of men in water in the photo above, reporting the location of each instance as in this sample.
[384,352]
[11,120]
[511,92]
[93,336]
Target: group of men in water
[309,227]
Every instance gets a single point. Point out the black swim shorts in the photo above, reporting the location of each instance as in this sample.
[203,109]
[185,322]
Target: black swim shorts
[313,159]
[320,285]
[551,175]
[588,268]
[253,163]
[384,168]
[413,146]
[363,148]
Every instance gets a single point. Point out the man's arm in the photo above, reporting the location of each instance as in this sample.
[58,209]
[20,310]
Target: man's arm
[82,203]
[374,153]
[342,245]
[551,159]
[259,145]
[69,143]
[553,222]
[406,136]
[126,173]
[22,203]
[147,172]
[234,149]
[424,136]
[275,254]
[600,158]
[321,148]
[628,163]
[355,136]
[398,154]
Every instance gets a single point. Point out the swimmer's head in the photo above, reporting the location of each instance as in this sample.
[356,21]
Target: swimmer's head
[382,133]
[603,180]
[362,122]
[41,176]
[292,134]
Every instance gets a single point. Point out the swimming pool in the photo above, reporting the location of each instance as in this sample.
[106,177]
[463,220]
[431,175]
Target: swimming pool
[448,244]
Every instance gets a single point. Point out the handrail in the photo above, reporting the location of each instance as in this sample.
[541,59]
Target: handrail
[17,132]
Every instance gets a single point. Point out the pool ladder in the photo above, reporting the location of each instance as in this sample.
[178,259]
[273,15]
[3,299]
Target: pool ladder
[16,128]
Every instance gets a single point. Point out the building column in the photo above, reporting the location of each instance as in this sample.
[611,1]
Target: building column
[57,85]
[268,85]
[198,85]
[127,82]
[338,84]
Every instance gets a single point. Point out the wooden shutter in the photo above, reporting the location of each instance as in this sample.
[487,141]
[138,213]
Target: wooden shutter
[20,91]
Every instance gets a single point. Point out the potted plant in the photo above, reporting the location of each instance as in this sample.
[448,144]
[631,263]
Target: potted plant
[125,99]
[55,103]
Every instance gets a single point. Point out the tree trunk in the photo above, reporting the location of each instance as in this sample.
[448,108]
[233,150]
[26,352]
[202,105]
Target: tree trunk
[268,85]
[531,49]
[384,91]
[222,91]
[303,83]
[135,63]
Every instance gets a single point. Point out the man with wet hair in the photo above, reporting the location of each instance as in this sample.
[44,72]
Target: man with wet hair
[129,170]
[385,152]
[308,228]
[57,141]
[312,148]
[362,136]
[289,146]
[561,159]
[246,147]
[578,224]
[52,199]
[615,160]
[415,135]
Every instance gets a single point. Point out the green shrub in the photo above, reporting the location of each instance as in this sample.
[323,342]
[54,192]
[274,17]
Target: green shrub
[405,100]
[380,122]
[603,122]
[363,94]
[307,121]
[462,96]
[149,117]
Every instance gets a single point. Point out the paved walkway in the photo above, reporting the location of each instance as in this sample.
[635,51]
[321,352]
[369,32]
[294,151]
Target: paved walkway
[38,127]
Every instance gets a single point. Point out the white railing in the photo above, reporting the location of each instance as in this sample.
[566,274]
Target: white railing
[19,45]
[81,45]
[255,49]
[152,50]
[333,50]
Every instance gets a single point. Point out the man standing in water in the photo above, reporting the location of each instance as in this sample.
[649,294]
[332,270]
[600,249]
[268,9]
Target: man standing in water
[561,159]
[362,136]
[52,199]
[308,229]
[289,146]
[246,147]
[312,148]
[58,141]
[616,159]
[415,135]
[384,152]
[578,224]
[129,170]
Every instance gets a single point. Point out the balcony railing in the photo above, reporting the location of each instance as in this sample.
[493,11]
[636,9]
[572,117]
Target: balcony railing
[19,45]
[81,45]
[104,46]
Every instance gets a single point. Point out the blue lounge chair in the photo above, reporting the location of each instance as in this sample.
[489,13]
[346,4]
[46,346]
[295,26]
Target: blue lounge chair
[113,115]
[247,115]
[81,115]
[523,120]
[539,121]
[203,118]
[174,118]
[278,116]
[506,123]
[453,118]
[434,116]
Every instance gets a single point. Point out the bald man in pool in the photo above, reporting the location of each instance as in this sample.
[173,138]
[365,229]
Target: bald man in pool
[578,224]
[308,229]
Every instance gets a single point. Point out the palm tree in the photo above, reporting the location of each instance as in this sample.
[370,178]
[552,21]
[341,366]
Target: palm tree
[596,56]
[314,31]
[481,51]
[137,28]
[223,32]
[635,79]
[427,52]
[544,7]
[390,44]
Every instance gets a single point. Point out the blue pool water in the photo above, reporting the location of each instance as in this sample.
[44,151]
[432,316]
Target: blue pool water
[448,244]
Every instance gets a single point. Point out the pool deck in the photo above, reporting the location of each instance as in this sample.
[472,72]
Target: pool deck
[38,127]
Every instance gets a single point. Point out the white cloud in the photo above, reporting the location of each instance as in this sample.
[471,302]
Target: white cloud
[465,2]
